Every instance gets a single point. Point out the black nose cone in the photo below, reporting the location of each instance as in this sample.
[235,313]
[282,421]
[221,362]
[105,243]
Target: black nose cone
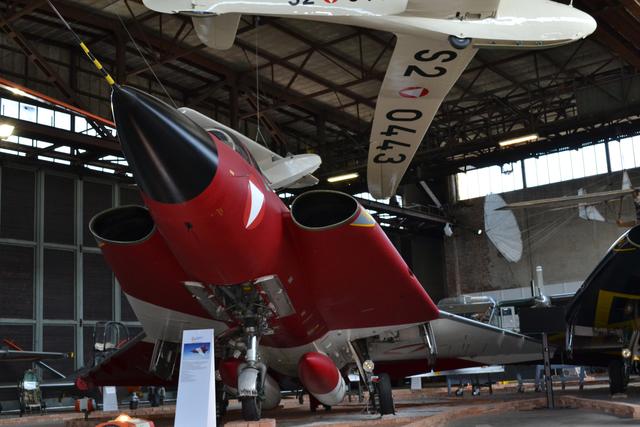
[173,159]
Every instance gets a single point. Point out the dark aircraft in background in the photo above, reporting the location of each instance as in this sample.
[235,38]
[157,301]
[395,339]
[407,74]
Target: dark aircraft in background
[603,319]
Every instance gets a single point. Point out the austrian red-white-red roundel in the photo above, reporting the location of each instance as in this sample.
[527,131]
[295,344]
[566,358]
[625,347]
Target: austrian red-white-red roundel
[414,92]
[330,1]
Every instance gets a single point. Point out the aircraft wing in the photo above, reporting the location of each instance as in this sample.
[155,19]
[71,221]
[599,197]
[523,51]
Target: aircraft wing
[279,7]
[59,383]
[463,338]
[421,73]
[570,201]
[460,343]
[7,355]
[610,296]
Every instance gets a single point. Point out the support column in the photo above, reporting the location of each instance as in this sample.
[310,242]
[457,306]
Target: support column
[39,264]
[79,276]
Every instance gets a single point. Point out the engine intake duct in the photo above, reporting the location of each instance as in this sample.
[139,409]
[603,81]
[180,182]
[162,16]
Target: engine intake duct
[123,225]
[318,210]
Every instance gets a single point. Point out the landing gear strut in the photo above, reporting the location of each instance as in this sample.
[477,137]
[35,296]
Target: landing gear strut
[379,386]
[251,378]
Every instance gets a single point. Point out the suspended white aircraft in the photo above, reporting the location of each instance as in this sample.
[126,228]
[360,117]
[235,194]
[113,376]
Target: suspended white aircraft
[586,202]
[436,40]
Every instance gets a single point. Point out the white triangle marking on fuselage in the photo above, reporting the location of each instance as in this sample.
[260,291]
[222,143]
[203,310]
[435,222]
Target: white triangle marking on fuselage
[257,201]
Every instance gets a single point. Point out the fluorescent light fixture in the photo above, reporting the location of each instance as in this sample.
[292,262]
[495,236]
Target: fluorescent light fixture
[17,91]
[520,140]
[345,177]
[6,131]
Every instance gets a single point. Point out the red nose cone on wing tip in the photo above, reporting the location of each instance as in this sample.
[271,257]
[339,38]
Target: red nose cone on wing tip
[318,373]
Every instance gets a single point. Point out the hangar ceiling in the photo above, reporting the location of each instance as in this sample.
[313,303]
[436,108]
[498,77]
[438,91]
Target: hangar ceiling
[318,83]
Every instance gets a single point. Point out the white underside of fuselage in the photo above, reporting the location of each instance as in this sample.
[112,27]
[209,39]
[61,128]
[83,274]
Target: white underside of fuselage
[161,323]
[455,338]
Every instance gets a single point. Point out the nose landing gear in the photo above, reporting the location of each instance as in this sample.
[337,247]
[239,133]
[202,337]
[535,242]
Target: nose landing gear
[251,379]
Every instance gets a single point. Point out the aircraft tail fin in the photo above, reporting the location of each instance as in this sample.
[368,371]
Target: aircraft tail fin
[626,181]
[219,31]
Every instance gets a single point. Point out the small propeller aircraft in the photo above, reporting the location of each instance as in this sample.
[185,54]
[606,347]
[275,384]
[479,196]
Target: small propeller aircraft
[436,40]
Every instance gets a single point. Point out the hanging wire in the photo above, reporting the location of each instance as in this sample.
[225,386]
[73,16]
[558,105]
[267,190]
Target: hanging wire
[164,89]
[259,135]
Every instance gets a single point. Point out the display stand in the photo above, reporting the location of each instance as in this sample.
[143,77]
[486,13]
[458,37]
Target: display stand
[196,405]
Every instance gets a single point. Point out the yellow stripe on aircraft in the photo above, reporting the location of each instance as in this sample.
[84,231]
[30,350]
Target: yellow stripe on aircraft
[603,306]
[364,219]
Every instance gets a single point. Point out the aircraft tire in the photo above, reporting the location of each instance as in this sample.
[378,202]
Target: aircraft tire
[251,408]
[617,376]
[459,43]
[385,394]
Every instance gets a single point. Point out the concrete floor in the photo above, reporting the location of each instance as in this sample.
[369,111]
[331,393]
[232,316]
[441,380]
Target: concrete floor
[423,405]
[539,417]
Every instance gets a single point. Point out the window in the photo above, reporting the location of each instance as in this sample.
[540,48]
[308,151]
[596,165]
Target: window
[494,179]
[549,169]
[45,116]
[62,120]
[59,339]
[10,372]
[10,108]
[625,154]
[97,288]
[59,284]
[18,204]
[59,209]
[28,112]
[97,198]
[16,281]
[237,146]
[368,196]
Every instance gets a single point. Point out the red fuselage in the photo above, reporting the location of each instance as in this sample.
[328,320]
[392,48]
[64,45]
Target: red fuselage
[217,222]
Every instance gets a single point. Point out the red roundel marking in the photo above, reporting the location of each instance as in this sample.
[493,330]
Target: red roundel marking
[330,1]
[414,92]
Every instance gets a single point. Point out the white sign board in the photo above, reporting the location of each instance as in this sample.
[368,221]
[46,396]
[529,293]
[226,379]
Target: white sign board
[196,404]
[109,399]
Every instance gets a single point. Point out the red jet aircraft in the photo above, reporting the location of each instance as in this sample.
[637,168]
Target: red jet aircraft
[290,293]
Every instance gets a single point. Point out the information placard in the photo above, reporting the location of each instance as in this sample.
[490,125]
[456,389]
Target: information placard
[109,399]
[196,404]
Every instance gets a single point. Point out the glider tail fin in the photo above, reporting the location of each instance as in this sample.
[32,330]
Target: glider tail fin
[218,31]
